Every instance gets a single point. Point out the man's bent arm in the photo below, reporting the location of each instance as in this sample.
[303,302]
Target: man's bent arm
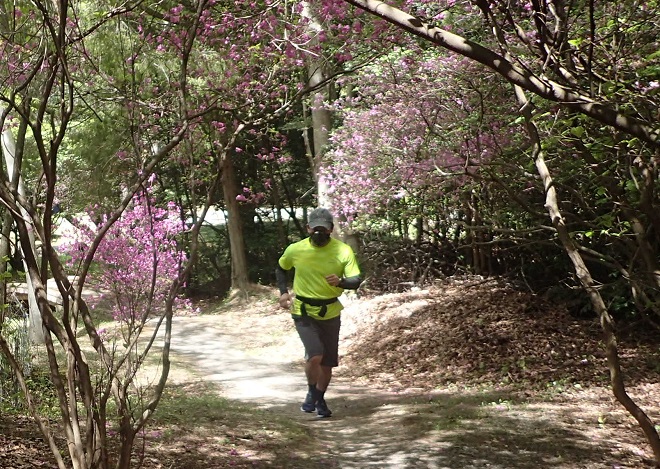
[281,279]
[350,283]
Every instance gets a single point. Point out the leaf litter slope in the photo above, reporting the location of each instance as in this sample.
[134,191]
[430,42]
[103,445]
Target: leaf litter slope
[464,374]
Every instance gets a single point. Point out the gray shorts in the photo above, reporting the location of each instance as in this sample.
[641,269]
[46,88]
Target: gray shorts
[320,338]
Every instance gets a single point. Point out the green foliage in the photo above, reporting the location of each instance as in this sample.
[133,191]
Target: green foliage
[264,250]
[212,272]
[43,392]
[14,331]
[40,387]
[90,171]
[198,404]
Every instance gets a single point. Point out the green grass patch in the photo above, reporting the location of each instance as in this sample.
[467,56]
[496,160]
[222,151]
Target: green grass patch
[196,427]
[198,404]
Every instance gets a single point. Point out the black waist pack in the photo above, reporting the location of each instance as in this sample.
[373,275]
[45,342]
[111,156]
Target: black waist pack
[315,302]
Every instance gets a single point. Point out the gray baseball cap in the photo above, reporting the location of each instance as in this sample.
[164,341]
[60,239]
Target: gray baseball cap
[320,217]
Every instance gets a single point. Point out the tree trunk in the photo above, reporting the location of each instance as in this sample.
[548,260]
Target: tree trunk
[5,247]
[317,74]
[581,270]
[277,202]
[13,175]
[583,274]
[239,270]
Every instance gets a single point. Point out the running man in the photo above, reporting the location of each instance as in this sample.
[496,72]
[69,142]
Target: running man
[323,268]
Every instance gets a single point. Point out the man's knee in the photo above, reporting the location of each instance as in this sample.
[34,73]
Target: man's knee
[315,359]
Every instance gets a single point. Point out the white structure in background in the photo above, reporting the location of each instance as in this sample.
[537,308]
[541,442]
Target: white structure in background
[217,217]
[9,152]
[64,231]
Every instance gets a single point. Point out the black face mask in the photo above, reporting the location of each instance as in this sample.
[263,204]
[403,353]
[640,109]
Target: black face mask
[320,238]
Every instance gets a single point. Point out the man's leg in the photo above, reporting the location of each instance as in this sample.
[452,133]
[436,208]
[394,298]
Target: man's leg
[313,355]
[313,370]
[318,337]
[329,335]
[317,374]
[318,379]
[324,377]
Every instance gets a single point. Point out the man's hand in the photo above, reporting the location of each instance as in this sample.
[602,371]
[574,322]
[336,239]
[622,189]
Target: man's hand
[285,301]
[332,280]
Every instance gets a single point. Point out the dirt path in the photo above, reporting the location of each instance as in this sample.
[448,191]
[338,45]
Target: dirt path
[370,427]
[255,356]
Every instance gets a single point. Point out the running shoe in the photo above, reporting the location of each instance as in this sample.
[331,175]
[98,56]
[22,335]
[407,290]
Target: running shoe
[322,410]
[309,405]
